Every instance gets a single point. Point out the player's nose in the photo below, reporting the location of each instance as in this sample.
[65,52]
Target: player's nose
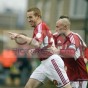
[28,19]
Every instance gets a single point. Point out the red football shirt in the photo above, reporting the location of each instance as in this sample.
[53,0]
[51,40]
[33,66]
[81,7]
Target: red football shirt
[43,35]
[71,52]
[59,40]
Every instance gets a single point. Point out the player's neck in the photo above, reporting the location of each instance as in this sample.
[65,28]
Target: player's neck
[38,22]
[68,32]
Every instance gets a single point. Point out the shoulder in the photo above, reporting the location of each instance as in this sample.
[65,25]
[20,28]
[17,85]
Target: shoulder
[74,39]
[80,39]
[73,36]
[76,36]
[45,26]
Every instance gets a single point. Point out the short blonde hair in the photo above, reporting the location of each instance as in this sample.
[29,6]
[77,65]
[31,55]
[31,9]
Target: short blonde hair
[65,22]
[36,11]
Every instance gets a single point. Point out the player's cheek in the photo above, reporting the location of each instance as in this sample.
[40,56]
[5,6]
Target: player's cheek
[57,29]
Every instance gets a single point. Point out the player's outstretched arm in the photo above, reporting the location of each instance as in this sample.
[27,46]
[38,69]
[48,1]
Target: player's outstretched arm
[12,35]
[29,40]
[15,35]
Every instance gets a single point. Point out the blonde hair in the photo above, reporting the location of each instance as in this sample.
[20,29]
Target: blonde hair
[65,22]
[36,11]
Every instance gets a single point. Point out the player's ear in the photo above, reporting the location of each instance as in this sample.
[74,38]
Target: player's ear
[37,17]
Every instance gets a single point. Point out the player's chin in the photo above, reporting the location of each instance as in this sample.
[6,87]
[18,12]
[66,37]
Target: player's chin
[61,33]
[32,25]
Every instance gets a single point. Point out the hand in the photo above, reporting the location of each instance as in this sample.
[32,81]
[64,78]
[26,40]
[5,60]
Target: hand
[30,52]
[12,35]
[53,50]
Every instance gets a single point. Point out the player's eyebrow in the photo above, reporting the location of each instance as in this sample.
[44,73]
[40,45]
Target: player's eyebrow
[57,26]
[29,16]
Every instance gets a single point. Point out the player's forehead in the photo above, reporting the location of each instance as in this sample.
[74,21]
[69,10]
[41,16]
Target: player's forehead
[59,23]
[31,13]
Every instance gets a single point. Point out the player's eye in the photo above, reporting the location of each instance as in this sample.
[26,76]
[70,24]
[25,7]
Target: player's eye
[57,27]
[61,29]
[29,17]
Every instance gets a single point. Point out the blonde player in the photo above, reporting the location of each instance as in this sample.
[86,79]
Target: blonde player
[52,67]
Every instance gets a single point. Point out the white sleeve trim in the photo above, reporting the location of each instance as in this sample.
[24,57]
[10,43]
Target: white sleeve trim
[77,53]
[72,46]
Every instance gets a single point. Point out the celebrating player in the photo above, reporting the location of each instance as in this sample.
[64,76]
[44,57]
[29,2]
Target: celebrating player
[52,67]
[70,46]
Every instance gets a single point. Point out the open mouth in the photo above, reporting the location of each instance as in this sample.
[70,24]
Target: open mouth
[31,23]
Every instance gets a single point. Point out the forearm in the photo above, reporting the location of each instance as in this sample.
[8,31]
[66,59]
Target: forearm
[31,41]
[67,53]
[28,39]
[42,53]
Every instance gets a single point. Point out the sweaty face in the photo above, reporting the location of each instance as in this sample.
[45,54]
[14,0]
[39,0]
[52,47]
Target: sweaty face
[32,19]
[60,28]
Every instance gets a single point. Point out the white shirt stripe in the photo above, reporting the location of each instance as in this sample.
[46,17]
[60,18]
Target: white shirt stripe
[80,39]
[40,28]
[72,39]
